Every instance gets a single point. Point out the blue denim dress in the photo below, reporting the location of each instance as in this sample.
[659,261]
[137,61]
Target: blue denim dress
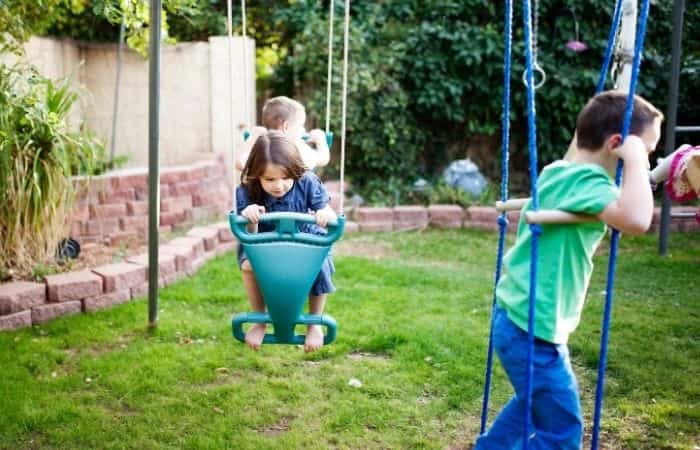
[307,195]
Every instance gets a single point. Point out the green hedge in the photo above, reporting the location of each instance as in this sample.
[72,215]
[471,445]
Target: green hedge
[427,77]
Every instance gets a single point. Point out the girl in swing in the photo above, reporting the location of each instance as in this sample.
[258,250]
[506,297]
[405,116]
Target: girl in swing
[274,179]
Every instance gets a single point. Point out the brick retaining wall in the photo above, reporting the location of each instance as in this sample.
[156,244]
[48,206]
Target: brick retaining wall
[482,217]
[114,207]
[23,304]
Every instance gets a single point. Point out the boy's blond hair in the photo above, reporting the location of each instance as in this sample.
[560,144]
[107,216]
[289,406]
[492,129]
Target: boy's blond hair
[281,109]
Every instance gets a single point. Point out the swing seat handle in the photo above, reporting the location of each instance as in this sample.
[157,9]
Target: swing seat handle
[286,229]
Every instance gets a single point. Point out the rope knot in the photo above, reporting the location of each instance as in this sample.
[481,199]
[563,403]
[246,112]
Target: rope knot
[536,229]
[503,221]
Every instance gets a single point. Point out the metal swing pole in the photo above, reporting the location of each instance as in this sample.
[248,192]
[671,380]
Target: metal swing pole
[117,84]
[625,50]
[344,106]
[671,115]
[329,76]
[153,160]
[232,139]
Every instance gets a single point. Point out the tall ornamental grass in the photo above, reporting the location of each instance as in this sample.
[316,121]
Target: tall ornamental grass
[39,152]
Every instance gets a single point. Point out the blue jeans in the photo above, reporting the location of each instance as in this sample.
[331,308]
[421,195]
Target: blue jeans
[556,409]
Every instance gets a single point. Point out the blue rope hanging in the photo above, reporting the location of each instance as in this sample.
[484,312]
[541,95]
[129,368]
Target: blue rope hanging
[535,229]
[502,219]
[615,238]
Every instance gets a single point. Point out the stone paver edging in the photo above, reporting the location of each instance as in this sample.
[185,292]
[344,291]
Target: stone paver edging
[23,304]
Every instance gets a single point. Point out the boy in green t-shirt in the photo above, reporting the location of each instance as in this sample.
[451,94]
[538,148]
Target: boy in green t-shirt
[582,184]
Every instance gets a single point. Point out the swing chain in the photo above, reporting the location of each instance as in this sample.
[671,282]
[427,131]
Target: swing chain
[535,64]
[620,57]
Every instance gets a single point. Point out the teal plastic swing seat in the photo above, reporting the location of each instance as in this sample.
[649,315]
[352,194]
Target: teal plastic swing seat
[285,262]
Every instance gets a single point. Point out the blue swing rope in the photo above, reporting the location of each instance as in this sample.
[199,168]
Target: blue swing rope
[535,229]
[502,219]
[615,238]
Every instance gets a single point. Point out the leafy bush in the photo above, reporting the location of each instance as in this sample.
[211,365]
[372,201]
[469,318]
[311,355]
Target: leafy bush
[426,77]
[39,151]
[19,19]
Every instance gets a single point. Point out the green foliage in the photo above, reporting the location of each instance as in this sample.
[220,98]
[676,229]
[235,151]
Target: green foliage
[96,20]
[19,19]
[39,151]
[40,271]
[426,77]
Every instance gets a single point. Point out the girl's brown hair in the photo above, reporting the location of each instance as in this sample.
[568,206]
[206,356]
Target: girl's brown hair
[272,147]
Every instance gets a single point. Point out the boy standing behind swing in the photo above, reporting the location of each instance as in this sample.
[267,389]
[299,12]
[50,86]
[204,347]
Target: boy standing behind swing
[582,184]
[289,116]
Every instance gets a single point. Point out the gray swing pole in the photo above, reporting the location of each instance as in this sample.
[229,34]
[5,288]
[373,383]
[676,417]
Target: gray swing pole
[153,159]
[671,115]
[117,83]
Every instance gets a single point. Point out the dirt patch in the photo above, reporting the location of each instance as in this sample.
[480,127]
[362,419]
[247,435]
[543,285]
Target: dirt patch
[357,356]
[91,255]
[224,377]
[277,428]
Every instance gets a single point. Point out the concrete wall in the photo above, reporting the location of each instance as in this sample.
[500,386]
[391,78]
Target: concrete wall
[54,58]
[226,116]
[197,114]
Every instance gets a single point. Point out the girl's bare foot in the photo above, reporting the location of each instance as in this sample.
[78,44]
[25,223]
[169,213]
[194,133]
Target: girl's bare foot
[255,335]
[314,338]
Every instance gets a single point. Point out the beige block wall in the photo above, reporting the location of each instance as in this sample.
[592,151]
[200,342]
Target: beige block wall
[195,102]
[184,98]
[54,58]
[234,106]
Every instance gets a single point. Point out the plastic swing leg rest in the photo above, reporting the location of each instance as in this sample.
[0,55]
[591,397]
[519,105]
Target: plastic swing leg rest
[323,320]
[297,339]
[251,317]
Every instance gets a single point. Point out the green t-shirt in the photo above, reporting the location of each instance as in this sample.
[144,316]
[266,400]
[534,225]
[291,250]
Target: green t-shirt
[565,251]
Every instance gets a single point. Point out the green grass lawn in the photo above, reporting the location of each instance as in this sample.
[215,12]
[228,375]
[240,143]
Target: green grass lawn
[413,311]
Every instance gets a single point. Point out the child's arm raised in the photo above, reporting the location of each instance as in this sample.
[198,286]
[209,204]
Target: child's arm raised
[242,156]
[632,211]
[318,138]
[308,155]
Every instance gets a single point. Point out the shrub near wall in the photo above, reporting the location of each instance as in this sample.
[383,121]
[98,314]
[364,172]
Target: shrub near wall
[39,150]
